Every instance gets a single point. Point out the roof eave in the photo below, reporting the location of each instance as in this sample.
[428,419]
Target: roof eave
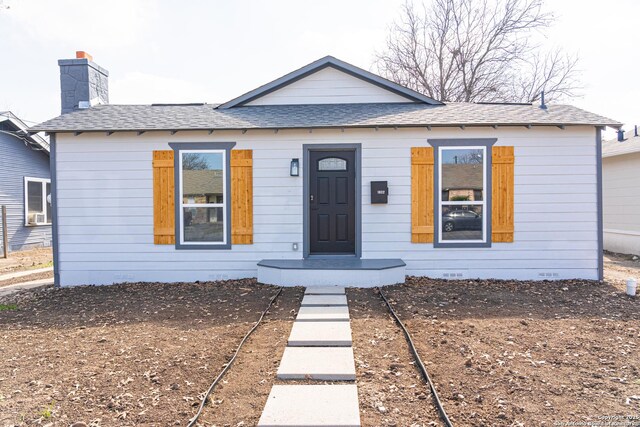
[363,126]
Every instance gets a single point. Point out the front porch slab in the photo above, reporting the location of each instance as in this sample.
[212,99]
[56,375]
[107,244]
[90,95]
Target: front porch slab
[317,363]
[332,272]
[311,405]
[320,334]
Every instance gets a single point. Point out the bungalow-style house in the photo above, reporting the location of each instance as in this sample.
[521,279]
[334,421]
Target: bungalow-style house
[327,175]
[25,185]
[621,173]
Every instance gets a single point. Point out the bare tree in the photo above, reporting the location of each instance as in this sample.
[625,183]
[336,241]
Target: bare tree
[477,50]
[471,157]
[194,161]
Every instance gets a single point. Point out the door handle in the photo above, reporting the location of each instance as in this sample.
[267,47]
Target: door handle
[312,197]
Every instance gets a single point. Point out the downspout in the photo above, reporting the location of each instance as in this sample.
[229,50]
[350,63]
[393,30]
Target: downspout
[599,201]
[55,244]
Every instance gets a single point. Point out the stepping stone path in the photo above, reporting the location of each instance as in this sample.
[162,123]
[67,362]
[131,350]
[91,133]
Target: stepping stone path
[319,348]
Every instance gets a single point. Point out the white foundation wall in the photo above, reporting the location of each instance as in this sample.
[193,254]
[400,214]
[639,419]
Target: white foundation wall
[621,204]
[105,206]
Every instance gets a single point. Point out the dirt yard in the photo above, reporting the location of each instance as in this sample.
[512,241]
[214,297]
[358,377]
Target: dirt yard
[390,389]
[26,260]
[136,354]
[514,353]
[500,353]
[619,267]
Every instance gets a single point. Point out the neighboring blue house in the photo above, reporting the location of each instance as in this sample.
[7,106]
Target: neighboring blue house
[25,185]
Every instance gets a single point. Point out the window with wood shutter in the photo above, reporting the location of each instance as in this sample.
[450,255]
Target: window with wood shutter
[241,197]
[163,198]
[210,196]
[203,198]
[422,192]
[461,196]
[502,216]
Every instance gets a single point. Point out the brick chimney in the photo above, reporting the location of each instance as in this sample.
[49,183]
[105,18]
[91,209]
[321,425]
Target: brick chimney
[83,83]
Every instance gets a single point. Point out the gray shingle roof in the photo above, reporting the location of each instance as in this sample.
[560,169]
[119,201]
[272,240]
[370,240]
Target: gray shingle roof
[207,117]
[201,182]
[462,177]
[613,147]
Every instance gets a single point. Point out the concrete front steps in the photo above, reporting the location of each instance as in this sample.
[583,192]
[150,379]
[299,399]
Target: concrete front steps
[348,271]
[319,349]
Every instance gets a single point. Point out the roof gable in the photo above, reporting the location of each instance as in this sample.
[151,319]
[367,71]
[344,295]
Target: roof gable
[329,81]
[22,131]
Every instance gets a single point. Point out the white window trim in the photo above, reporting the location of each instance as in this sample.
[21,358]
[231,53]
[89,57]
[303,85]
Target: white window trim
[482,203]
[222,205]
[43,183]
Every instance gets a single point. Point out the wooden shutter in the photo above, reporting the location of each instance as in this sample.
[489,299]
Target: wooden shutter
[502,194]
[422,194]
[164,231]
[241,197]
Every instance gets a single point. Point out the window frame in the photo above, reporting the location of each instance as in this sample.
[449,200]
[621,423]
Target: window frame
[482,203]
[45,209]
[462,143]
[209,147]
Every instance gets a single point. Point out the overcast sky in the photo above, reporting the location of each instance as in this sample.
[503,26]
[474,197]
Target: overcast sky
[212,51]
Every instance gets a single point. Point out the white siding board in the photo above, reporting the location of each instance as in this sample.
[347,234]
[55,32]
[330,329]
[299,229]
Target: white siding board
[106,206]
[145,249]
[68,202]
[103,184]
[621,204]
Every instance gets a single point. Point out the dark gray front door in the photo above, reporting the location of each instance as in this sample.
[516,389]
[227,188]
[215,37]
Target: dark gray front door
[332,202]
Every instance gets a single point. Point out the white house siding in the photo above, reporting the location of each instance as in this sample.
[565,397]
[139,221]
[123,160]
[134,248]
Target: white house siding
[328,86]
[17,161]
[106,214]
[620,191]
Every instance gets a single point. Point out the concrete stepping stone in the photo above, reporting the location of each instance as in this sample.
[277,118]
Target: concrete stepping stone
[311,405]
[320,334]
[328,312]
[317,363]
[324,290]
[324,300]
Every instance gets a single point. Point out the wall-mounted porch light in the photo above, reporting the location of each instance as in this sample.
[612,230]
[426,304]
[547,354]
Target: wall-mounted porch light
[294,170]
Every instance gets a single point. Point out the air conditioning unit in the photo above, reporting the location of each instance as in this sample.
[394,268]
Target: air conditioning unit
[40,218]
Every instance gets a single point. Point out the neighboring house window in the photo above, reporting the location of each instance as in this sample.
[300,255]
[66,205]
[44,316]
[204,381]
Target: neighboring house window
[462,195]
[37,201]
[203,197]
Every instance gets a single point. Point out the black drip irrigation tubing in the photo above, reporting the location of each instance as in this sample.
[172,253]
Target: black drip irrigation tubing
[192,421]
[423,370]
